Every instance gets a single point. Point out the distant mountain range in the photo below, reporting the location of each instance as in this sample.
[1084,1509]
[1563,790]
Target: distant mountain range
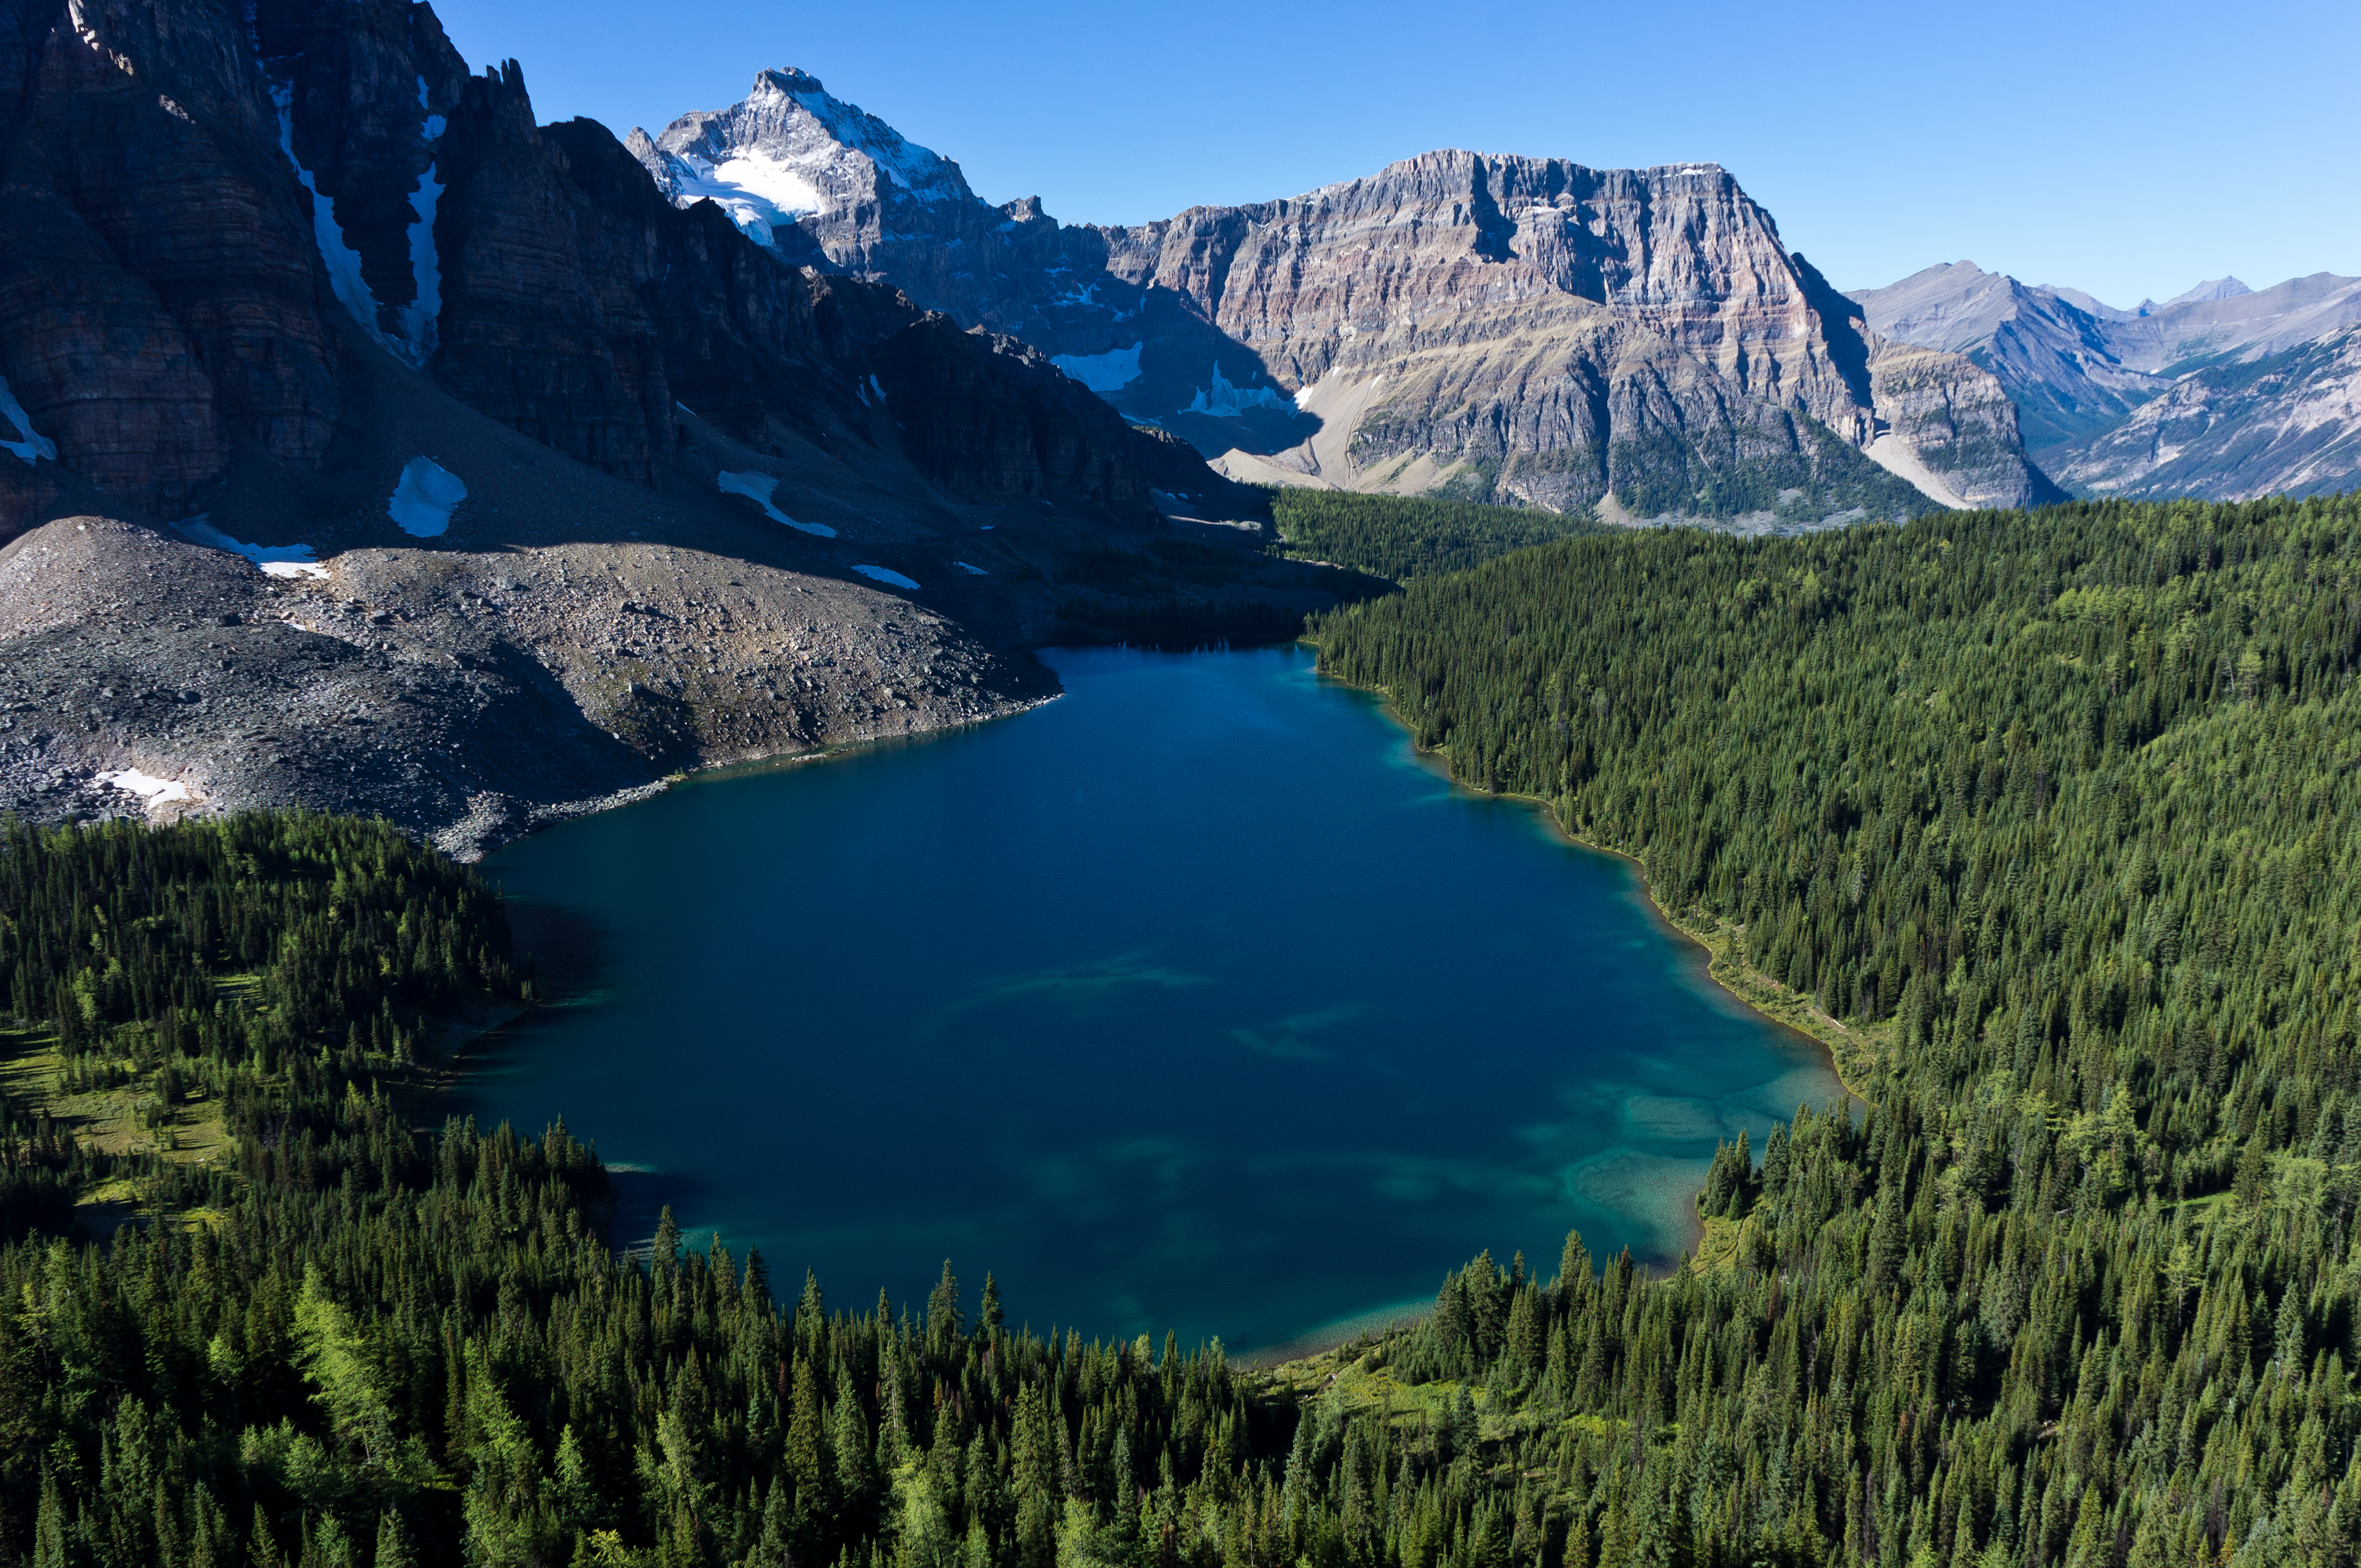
[2224,392]
[1504,329]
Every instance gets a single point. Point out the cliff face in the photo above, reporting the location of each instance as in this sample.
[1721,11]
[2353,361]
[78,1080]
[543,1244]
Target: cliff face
[160,288]
[1503,328]
[202,203]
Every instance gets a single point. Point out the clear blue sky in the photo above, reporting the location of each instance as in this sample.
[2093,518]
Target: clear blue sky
[2129,150]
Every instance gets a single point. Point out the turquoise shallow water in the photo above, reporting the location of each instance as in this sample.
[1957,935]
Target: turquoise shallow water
[1193,1000]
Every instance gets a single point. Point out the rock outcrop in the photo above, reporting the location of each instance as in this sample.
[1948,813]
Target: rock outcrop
[1502,328]
[467,695]
[160,286]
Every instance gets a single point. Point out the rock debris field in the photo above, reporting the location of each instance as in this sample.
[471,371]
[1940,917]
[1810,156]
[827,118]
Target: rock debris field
[468,697]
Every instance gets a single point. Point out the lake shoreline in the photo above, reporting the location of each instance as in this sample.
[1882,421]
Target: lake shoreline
[1373,1325]
[1733,977]
[1716,960]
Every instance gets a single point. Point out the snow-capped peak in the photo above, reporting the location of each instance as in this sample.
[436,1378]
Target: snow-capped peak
[789,150]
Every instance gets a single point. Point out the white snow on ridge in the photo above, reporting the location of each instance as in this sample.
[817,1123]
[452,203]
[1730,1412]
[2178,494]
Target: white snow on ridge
[424,497]
[276,560]
[1225,401]
[965,567]
[881,574]
[154,791]
[757,488]
[1108,372]
[29,445]
[914,168]
[788,150]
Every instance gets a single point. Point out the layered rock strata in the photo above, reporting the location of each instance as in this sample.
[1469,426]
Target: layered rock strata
[1503,328]
[192,200]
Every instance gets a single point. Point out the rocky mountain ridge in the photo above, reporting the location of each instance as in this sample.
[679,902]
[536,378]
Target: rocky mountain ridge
[1637,341]
[2224,391]
[295,307]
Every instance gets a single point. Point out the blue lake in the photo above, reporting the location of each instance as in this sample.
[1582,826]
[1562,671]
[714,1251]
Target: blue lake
[1193,1000]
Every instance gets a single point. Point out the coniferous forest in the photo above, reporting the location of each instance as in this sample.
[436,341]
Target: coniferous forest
[1401,537]
[2052,817]
[2043,820]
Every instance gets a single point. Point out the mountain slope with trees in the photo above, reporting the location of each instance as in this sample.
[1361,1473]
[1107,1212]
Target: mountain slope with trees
[2051,817]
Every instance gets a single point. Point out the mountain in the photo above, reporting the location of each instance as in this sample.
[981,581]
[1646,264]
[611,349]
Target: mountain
[2287,423]
[2224,391]
[2051,355]
[1496,328]
[371,445]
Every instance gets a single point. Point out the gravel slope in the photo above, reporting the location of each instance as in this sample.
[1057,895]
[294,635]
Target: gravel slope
[466,696]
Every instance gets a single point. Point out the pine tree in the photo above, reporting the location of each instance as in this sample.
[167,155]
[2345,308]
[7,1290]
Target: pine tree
[395,1548]
[808,1463]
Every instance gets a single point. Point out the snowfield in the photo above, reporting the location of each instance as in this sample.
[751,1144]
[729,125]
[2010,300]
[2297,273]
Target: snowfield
[1108,372]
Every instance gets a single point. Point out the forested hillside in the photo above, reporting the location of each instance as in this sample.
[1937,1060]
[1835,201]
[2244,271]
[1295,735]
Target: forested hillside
[2056,812]
[346,1342]
[2051,815]
[1401,537]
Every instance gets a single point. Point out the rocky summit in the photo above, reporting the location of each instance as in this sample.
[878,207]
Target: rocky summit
[367,445]
[1640,342]
[2222,391]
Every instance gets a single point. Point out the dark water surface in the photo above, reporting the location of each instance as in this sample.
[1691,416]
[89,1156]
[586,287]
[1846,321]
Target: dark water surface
[1192,1001]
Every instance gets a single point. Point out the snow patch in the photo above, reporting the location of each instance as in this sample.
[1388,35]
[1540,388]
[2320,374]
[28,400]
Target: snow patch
[1108,372]
[761,193]
[276,560]
[757,488]
[881,574]
[30,444]
[343,261]
[423,499]
[1225,401]
[965,567]
[787,151]
[415,342]
[154,791]
[419,317]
